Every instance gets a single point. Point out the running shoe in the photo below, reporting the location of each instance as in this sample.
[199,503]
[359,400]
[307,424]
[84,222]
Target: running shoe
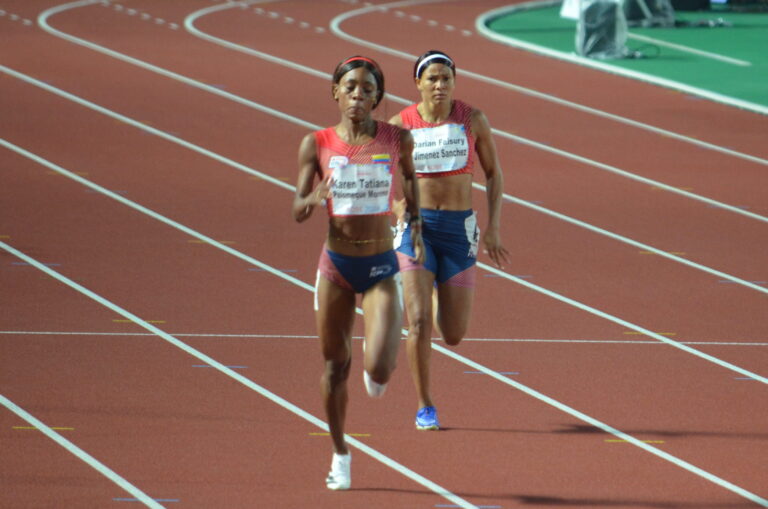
[426,419]
[340,478]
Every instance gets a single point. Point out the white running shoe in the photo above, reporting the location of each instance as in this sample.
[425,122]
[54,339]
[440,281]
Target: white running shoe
[340,477]
[375,390]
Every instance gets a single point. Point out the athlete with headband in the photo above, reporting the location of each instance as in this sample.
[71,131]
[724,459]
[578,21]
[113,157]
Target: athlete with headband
[449,135]
[357,163]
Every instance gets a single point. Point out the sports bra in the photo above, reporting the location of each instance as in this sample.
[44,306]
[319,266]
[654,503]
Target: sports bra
[361,174]
[443,149]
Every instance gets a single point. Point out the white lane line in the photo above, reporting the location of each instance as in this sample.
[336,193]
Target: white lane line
[335,28]
[608,429]
[622,322]
[43,23]
[537,4]
[189,25]
[314,337]
[284,185]
[229,372]
[627,240]
[482,28]
[100,467]
[157,132]
[117,197]
[688,49]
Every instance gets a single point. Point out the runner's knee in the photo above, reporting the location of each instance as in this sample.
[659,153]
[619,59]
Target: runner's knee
[337,371]
[420,326]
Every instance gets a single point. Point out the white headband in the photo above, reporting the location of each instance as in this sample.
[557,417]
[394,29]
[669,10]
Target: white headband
[432,57]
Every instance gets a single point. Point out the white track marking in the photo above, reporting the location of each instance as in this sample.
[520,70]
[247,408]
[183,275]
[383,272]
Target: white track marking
[536,4]
[631,242]
[231,373]
[189,25]
[154,215]
[314,337]
[251,171]
[157,132]
[480,26]
[42,21]
[608,429]
[298,411]
[79,453]
[622,322]
[688,49]
[285,276]
[335,28]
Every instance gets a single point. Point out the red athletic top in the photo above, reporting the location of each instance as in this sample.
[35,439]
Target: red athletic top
[443,149]
[362,174]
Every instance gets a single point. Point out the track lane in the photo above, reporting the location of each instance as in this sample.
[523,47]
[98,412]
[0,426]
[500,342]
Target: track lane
[225,193]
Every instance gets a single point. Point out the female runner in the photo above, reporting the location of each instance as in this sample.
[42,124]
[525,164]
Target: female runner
[354,162]
[448,136]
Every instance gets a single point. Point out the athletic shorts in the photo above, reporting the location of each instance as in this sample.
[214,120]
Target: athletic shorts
[450,240]
[357,273]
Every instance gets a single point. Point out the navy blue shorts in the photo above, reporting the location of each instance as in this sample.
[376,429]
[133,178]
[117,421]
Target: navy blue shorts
[357,273]
[450,240]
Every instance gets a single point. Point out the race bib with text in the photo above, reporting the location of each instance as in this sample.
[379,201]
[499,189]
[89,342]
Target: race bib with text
[361,189]
[440,149]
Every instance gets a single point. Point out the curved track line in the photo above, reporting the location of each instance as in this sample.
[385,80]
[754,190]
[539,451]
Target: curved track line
[189,25]
[482,28]
[43,23]
[298,411]
[210,361]
[336,22]
[76,451]
[222,159]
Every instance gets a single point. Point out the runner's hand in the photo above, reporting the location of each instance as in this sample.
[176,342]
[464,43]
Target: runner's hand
[321,192]
[494,249]
[398,209]
[418,243]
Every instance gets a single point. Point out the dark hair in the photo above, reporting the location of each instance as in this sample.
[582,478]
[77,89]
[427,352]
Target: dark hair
[434,57]
[356,61]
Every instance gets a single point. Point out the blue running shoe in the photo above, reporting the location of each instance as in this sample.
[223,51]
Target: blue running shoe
[426,419]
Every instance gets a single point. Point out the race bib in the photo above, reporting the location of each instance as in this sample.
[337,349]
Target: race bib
[361,189]
[440,149]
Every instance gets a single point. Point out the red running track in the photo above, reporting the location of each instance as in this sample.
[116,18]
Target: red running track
[142,181]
